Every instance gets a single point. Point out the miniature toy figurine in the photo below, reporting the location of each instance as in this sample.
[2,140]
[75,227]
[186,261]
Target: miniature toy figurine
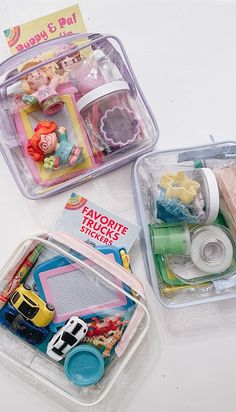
[113,341]
[125,260]
[98,327]
[69,62]
[106,341]
[52,147]
[40,87]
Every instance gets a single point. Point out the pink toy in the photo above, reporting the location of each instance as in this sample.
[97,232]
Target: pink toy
[84,72]
[98,327]
[67,288]
[40,86]
[87,75]
[119,126]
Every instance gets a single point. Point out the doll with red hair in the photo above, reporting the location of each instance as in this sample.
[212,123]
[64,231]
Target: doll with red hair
[52,147]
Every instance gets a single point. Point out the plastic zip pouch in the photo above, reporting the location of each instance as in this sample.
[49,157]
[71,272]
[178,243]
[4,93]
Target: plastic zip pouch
[71,315]
[72,116]
[186,206]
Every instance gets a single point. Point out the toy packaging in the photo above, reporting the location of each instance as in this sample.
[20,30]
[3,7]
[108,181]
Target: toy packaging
[95,225]
[186,206]
[75,327]
[60,23]
[71,111]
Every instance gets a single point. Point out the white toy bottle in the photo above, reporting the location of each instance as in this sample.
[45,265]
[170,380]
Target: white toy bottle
[107,68]
[107,107]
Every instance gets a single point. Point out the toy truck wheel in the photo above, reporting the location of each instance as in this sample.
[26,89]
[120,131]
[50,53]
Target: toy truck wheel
[49,306]
[27,287]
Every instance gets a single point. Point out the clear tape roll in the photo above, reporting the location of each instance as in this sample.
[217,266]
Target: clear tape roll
[211,249]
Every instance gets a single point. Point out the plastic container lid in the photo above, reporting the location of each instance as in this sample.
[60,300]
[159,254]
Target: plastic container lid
[101,91]
[99,54]
[84,365]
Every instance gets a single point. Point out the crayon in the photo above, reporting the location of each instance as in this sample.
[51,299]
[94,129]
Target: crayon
[19,275]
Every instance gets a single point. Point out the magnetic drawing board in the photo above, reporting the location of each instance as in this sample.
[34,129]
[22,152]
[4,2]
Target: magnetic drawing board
[67,117]
[73,290]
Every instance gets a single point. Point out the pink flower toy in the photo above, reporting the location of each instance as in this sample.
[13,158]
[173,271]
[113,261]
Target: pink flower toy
[119,127]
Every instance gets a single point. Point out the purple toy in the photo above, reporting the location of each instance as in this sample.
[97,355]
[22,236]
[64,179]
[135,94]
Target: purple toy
[119,127]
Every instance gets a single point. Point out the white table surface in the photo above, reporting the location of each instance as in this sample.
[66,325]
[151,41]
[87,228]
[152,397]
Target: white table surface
[183,54]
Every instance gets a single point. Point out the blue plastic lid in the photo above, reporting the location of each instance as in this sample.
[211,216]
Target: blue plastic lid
[84,365]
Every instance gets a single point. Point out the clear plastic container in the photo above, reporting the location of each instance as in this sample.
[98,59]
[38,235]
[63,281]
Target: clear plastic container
[109,70]
[71,317]
[110,117]
[211,256]
[190,196]
[54,135]
[189,261]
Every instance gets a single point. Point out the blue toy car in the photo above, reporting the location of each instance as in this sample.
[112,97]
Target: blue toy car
[12,319]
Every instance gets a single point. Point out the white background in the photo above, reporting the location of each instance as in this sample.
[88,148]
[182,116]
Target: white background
[184,56]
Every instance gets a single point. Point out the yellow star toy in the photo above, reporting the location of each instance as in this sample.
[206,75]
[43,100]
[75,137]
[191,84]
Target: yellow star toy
[179,186]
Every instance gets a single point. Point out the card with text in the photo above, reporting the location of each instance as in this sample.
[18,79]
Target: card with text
[91,223]
[61,23]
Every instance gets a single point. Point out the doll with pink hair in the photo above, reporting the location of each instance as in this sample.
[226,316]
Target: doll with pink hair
[40,87]
[52,147]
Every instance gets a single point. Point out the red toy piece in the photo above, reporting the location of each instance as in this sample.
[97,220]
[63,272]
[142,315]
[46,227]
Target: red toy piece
[100,327]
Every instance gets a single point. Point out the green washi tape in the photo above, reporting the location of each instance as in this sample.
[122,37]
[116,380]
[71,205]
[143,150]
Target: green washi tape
[170,239]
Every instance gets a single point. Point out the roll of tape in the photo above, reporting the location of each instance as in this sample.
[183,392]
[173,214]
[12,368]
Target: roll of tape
[211,249]
[170,239]
[207,180]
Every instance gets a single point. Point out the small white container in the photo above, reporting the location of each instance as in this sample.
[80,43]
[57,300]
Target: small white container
[181,281]
[110,116]
[186,196]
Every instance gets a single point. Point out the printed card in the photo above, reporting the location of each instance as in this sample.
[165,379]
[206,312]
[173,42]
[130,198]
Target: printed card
[61,23]
[91,223]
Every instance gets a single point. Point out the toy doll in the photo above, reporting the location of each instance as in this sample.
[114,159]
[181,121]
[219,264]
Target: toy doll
[52,147]
[68,63]
[40,87]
